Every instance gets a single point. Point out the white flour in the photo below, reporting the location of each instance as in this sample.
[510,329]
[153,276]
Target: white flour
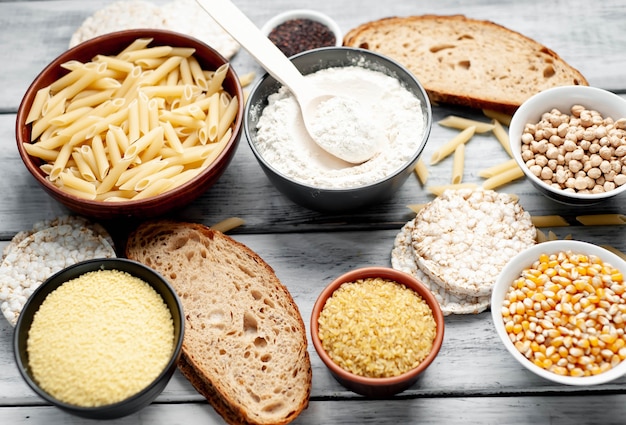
[284,143]
[346,129]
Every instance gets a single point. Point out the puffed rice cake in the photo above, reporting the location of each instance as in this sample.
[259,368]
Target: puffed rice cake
[183,16]
[463,238]
[403,259]
[35,255]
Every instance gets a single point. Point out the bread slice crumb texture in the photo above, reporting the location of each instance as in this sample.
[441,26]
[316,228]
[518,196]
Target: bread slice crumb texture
[245,346]
[465,61]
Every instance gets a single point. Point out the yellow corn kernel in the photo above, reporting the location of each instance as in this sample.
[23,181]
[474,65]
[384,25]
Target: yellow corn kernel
[616,276]
[617,345]
[608,338]
[583,343]
[559,370]
[577,372]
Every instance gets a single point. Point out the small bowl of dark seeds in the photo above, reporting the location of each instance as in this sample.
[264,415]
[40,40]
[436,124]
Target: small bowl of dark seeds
[296,31]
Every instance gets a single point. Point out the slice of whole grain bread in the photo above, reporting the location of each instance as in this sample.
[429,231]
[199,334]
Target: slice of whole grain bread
[245,345]
[467,62]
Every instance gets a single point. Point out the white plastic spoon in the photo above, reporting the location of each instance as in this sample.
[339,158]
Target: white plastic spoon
[318,108]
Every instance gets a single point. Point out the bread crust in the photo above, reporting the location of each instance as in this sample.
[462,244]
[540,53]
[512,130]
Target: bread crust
[467,62]
[245,346]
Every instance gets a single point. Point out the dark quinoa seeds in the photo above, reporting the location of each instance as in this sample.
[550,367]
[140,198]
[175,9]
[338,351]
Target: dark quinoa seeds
[298,35]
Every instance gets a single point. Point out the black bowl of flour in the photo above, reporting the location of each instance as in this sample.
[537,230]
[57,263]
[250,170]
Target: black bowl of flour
[311,177]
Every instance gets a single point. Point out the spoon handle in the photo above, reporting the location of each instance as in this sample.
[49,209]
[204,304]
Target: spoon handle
[248,35]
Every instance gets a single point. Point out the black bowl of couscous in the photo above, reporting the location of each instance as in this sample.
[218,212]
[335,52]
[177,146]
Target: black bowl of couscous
[100,339]
[377,330]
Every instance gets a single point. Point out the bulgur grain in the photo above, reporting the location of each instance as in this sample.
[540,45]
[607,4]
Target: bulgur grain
[100,338]
[376,327]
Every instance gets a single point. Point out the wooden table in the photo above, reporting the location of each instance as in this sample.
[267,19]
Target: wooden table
[473,380]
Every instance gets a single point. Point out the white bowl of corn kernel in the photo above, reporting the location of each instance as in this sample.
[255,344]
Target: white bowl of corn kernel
[570,142]
[559,308]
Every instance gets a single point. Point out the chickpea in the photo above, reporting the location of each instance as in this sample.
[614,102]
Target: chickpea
[582,152]
[594,173]
[575,166]
[606,152]
[546,174]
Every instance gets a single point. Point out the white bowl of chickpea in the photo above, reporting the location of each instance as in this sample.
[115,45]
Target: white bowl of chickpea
[571,143]
[559,308]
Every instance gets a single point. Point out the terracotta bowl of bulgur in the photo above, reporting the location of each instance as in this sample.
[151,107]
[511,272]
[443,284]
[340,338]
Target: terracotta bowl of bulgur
[101,338]
[377,329]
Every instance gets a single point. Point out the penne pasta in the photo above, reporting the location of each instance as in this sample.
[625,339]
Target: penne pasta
[247,79]
[129,178]
[83,167]
[416,207]
[502,136]
[460,123]
[503,178]
[162,71]
[34,149]
[502,118]
[197,74]
[69,180]
[449,147]
[228,224]
[549,221]
[218,78]
[458,164]
[100,156]
[602,219]
[105,128]
[146,52]
[498,168]
[422,171]
[438,190]
[165,173]
[185,73]
[35,111]
[227,117]
[143,143]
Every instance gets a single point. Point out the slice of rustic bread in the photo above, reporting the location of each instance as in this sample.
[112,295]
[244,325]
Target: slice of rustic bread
[467,62]
[245,345]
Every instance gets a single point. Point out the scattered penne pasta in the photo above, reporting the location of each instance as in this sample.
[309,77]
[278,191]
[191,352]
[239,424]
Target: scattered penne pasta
[416,207]
[461,123]
[247,79]
[498,168]
[105,128]
[458,164]
[503,136]
[421,170]
[501,117]
[450,146]
[602,219]
[438,190]
[228,224]
[503,178]
[549,221]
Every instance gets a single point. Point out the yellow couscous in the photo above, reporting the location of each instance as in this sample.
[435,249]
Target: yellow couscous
[100,338]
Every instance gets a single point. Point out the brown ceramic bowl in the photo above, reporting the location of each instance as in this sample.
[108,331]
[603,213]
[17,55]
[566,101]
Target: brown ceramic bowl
[370,386]
[111,44]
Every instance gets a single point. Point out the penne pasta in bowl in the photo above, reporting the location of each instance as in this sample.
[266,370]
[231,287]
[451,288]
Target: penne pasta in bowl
[133,123]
